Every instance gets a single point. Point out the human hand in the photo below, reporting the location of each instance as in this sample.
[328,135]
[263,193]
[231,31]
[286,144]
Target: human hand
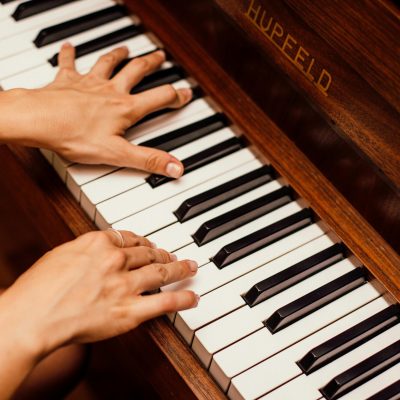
[83,117]
[90,289]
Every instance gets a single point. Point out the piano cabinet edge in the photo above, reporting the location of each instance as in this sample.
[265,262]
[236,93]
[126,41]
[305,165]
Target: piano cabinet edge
[61,219]
[363,240]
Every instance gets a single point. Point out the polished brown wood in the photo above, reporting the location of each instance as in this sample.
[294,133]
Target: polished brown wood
[340,152]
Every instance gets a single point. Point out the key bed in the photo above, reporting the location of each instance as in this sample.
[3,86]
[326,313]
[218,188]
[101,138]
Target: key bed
[239,359]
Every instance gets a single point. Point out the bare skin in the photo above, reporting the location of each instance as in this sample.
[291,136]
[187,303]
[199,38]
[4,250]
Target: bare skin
[84,291]
[88,289]
[83,117]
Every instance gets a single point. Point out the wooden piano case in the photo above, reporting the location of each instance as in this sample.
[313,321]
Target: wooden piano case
[316,89]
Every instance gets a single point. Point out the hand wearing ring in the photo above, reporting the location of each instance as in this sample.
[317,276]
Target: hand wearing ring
[102,299]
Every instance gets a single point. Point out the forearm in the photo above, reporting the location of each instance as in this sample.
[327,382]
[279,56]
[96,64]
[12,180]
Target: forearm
[18,351]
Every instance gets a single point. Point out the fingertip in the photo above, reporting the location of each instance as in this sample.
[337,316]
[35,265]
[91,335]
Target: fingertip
[196,300]
[186,94]
[174,170]
[66,45]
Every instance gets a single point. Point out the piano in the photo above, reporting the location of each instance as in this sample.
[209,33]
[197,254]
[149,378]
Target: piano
[290,202]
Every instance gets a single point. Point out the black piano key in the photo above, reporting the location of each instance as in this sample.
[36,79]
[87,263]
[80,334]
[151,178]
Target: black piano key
[158,78]
[33,7]
[261,238]
[349,339]
[239,216]
[290,276]
[6,1]
[102,42]
[197,94]
[211,198]
[201,159]
[74,26]
[188,133]
[362,372]
[314,300]
[392,392]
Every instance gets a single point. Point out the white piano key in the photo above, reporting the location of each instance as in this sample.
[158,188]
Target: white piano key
[161,214]
[246,320]
[124,179]
[48,155]
[44,74]
[144,196]
[281,367]
[35,57]
[9,27]
[60,164]
[80,175]
[23,42]
[322,325]
[374,385]
[6,10]
[179,234]
[227,298]
[306,387]
[203,253]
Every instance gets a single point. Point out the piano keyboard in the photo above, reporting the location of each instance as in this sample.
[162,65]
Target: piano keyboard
[286,312]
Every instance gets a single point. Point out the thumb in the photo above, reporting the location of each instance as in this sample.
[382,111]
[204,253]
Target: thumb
[146,159]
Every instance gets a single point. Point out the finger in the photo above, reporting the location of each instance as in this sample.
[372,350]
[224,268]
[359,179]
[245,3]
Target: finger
[165,96]
[66,57]
[127,239]
[144,158]
[143,255]
[137,69]
[154,276]
[105,65]
[147,307]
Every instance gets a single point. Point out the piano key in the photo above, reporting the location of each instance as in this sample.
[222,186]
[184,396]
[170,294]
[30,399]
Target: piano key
[160,215]
[7,9]
[77,25]
[9,27]
[307,386]
[179,235]
[6,1]
[158,78]
[263,237]
[227,298]
[279,363]
[362,372]
[201,159]
[280,281]
[213,197]
[318,298]
[336,346]
[44,74]
[104,41]
[181,136]
[125,179]
[144,196]
[240,323]
[93,191]
[25,61]
[233,219]
[204,254]
[391,392]
[30,8]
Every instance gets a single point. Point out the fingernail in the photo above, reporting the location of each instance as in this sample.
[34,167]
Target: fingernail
[187,93]
[173,257]
[67,44]
[197,300]
[153,245]
[174,170]
[193,266]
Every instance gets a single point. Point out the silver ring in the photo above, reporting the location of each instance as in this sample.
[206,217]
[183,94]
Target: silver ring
[120,237]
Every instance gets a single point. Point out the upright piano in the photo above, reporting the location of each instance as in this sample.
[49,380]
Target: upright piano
[290,202]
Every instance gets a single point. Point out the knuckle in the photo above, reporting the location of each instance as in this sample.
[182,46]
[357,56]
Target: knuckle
[118,258]
[141,63]
[108,58]
[162,272]
[151,256]
[153,163]
[169,302]
[171,93]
